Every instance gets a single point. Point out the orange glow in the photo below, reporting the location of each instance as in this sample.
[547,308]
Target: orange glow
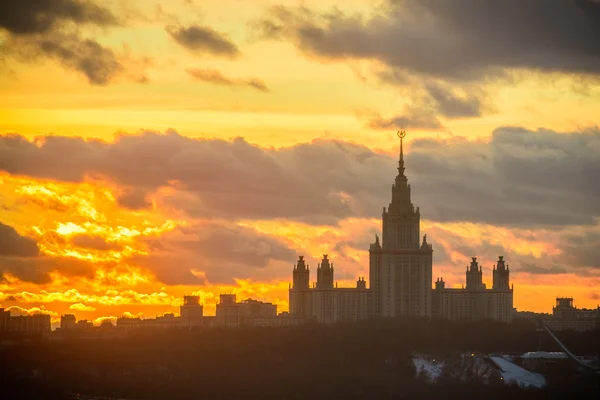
[99,259]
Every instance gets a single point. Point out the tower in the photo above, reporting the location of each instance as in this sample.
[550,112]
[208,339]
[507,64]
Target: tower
[191,311]
[325,274]
[400,267]
[300,299]
[301,275]
[502,293]
[474,276]
[501,275]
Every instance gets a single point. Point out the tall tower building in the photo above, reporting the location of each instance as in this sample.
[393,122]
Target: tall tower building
[400,267]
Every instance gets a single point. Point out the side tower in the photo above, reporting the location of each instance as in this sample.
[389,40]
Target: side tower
[474,276]
[325,274]
[502,292]
[400,267]
[501,275]
[300,293]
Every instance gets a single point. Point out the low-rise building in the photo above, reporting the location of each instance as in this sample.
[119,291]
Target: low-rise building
[249,312]
[324,302]
[475,302]
[566,316]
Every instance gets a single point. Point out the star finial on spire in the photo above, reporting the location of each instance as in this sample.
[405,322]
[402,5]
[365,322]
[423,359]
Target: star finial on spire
[401,134]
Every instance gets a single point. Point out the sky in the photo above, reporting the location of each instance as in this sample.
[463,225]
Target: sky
[150,150]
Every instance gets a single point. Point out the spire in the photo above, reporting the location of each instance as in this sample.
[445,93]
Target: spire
[401,134]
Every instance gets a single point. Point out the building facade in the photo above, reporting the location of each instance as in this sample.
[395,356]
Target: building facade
[400,265]
[36,323]
[324,302]
[191,311]
[399,270]
[249,312]
[565,316]
[475,301]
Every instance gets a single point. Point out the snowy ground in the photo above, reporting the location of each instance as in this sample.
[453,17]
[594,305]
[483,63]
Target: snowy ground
[513,373]
[430,366]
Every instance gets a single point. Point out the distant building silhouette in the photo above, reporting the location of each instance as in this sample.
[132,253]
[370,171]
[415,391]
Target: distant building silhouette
[36,323]
[566,316]
[475,301]
[249,312]
[400,276]
[68,322]
[191,311]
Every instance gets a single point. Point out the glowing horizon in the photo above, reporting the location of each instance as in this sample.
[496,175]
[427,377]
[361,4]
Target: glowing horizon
[181,149]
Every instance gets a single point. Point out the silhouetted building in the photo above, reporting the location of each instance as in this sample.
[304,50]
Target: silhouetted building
[475,302]
[249,312]
[400,266]
[399,270]
[566,316]
[167,321]
[36,323]
[4,320]
[324,302]
[191,311]
[68,322]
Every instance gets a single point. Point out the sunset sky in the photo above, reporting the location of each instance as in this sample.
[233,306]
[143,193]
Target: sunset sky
[154,149]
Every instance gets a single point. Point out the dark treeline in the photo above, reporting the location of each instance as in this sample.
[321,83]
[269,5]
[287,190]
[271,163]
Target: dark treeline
[371,359]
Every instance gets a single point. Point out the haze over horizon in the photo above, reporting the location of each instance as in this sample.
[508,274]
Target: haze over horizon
[150,150]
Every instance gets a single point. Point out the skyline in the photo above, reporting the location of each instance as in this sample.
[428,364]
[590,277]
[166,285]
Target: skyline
[183,149]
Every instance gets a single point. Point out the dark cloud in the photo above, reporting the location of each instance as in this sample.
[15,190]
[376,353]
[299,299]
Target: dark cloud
[21,257]
[411,119]
[13,244]
[134,198]
[25,17]
[518,177]
[94,242]
[538,269]
[217,78]
[52,29]
[98,63]
[452,105]
[38,269]
[464,40]
[220,251]
[440,54]
[202,39]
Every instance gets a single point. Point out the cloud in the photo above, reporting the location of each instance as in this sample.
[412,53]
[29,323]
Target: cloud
[20,311]
[21,258]
[213,251]
[98,63]
[94,243]
[452,105]
[216,78]
[517,177]
[25,18]
[15,245]
[412,118]
[53,30]
[464,41]
[38,269]
[81,307]
[203,39]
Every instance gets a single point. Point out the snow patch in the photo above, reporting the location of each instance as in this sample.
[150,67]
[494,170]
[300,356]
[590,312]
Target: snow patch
[513,373]
[432,368]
